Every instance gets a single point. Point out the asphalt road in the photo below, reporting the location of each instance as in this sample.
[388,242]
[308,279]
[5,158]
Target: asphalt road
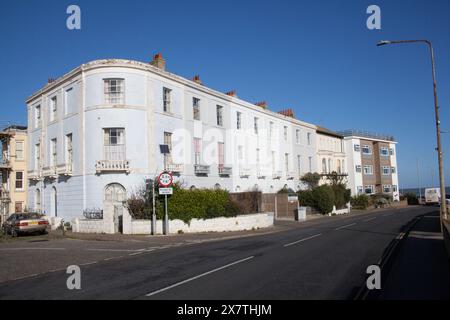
[323,259]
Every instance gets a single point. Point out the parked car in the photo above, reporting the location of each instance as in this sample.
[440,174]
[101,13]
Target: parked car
[20,223]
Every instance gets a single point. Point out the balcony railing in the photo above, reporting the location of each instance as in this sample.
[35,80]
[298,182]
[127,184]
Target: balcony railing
[5,162]
[175,168]
[201,169]
[112,166]
[225,171]
[50,172]
[65,169]
[277,175]
[244,172]
[4,195]
[290,175]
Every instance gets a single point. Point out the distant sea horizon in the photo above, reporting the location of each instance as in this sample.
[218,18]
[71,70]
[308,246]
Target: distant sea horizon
[416,190]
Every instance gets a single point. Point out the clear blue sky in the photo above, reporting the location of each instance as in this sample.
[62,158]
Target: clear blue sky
[317,57]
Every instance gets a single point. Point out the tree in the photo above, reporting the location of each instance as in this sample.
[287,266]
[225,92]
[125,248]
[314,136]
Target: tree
[311,180]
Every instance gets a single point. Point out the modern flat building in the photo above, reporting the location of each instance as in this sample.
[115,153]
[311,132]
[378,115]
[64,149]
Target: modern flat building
[331,153]
[96,133]
[372,163]
[13,170]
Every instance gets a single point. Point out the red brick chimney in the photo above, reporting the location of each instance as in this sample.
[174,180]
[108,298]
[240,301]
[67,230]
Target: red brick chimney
[261,104]
[287,113]
[158,61]
[197,79]
[231,93]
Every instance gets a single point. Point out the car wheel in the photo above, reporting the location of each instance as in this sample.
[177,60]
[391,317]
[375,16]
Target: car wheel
[14,233]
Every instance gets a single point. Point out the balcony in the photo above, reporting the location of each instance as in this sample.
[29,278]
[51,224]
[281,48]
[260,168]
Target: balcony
[201,169]
[260,174]
[112,166]
[4,196]
[5,163]
[244,172]
[50,172]
[175,168]
[64,169]
[225,171]
[34,175]
[277,175]
[290,175]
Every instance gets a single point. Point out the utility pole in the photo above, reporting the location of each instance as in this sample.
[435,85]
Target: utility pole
[418,181]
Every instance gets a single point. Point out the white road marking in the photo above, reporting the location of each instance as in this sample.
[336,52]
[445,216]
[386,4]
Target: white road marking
[343,227]
[88,263]
[197,277]
[136,253]
[367,220]
[116,250]
[305,239]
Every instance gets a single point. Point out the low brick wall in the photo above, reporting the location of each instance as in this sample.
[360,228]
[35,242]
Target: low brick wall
[239,223]
[92,226]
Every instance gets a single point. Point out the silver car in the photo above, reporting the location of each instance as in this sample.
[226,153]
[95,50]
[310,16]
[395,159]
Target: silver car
[20,223]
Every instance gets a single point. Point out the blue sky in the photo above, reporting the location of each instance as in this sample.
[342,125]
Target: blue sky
[317,57]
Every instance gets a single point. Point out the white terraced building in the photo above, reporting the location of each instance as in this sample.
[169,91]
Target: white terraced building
[95,134]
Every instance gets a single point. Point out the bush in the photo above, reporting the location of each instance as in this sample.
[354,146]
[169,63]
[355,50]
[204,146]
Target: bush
[412,198]
[360,202]
[311,180]
[342,195]
[324,198]
[306,199]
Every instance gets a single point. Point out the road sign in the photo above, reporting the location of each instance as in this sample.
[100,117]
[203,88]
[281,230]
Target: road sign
[165,179]
[165,191]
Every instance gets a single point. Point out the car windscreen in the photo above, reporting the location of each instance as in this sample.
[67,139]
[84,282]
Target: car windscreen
[29,216]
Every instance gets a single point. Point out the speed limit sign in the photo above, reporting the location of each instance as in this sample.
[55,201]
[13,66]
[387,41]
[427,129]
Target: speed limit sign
[165,179]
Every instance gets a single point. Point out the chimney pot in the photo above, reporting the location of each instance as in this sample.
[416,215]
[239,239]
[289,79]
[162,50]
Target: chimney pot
[262,104]
[197,79]
[231,93]
[158,61]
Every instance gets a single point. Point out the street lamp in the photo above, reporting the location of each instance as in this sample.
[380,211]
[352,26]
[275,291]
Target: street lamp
[438,122]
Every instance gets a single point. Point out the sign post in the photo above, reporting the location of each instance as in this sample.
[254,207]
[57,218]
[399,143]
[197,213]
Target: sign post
[165,181]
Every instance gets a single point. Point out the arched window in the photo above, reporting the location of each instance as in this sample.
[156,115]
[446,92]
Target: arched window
[339,166]
[115,192]
[329,166]
[343,166]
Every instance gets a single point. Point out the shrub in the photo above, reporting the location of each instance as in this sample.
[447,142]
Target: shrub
[324,198]
[342,195]
[306,199]
[412,198]
[360,202]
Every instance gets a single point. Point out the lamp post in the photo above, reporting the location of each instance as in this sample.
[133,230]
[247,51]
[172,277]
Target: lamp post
[438,122]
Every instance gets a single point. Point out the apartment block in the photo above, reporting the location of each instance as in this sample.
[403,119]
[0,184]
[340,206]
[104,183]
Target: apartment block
[13,170]
[372,163]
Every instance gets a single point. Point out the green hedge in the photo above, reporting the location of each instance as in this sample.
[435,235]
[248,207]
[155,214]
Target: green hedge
[187,204]
[360,202]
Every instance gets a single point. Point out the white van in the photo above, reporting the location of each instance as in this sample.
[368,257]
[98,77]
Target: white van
[432,196]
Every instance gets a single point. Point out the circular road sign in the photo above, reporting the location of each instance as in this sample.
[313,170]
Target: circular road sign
[165,179]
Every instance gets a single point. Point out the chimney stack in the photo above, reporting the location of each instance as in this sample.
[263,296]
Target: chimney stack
[197,79]
[287,113]
[261,104]
[158,61]
[51,80]
[231,93]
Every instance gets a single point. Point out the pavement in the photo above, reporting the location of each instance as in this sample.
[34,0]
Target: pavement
[421,268]
[324,258]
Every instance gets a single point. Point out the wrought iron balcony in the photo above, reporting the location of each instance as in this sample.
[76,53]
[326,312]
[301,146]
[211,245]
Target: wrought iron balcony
[175,168]
[277,175]
[112,166]
[4,195]
[225,171]
[5,163]
[290,175]
[201,169]
[244,172]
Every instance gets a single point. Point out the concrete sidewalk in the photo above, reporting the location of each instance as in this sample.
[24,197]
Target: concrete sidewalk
[421,269]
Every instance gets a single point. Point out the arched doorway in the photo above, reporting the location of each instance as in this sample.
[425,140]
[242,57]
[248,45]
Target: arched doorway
[115,195]
[53,203]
